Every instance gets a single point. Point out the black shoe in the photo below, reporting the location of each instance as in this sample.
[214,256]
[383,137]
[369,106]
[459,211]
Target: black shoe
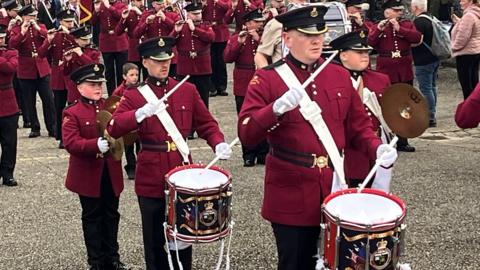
[223,93]
[213,94]
[248,163]
[27,125]
[191,136]
[118,265]
[406,148]
[96,267]
[432,123]
[61,146]
[10,182]
[261,159]
[34,134]
[130,172]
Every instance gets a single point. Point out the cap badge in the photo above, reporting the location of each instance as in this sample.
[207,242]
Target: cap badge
[161,43]
[96,68]
[69,12]
[314,12]
[362,34]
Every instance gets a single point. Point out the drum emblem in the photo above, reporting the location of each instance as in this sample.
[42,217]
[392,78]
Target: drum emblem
[381,257]
[208,217]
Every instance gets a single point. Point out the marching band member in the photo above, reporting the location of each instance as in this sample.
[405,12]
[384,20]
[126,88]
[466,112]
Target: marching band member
[128,23]
[392,38]
[194,38]
[214,14]
[8,11]
[239,8]
[114,48]
[55,46]
[241,49]
[354,56]
[467,115]
[92,173]
[276,7]
[300,167]
[79,55]
[162,144]
[355,12]
[8,111]
[33,71]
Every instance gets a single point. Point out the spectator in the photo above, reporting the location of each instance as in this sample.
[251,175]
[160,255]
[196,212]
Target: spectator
[466,45]
[426,64]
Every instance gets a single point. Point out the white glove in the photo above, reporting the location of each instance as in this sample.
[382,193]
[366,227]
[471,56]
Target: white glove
[288,101]
[223,150]
[148,110]
[337,184]
[382,180]
[102,144]
[386,155]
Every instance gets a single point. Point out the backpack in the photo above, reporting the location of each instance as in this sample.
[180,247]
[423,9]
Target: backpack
[441,43]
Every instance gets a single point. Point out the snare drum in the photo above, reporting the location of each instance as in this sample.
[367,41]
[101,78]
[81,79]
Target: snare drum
[337,21]
[362,230]
[198,203]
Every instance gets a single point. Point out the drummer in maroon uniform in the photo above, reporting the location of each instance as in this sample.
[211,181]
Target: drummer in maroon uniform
[8,111]
[92,172]
[354,56]
[241,49]
[357,17]
[299,170]
[392,38]
[159,152]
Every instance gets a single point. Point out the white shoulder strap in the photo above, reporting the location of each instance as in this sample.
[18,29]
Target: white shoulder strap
[312,113]
[167,123]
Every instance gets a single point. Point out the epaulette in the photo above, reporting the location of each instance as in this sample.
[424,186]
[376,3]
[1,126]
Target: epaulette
[71,104]
[276,64]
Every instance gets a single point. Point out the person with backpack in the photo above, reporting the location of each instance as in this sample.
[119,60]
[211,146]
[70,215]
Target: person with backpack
[424,59]
[466,45]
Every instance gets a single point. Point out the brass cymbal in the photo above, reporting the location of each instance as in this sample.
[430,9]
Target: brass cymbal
[405,110]
[111,103]
[116,145]
[103,117]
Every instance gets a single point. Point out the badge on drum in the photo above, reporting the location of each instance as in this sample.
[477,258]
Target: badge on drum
[208,217]
[382,256]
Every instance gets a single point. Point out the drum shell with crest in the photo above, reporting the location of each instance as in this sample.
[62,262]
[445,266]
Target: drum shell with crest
[198,203]
[361,227]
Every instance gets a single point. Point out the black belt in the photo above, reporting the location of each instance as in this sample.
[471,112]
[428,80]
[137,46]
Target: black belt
[249,67]
[6,86]
[394,54]
[307,160]
[193,54]
[159,147]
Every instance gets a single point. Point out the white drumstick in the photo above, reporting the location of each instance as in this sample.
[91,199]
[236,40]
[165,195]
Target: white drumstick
[235,141]
[375,167]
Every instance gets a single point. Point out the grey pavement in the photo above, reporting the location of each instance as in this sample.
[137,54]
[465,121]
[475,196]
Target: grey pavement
[40,224]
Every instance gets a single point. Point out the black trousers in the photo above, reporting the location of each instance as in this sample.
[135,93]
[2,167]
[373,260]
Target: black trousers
[20,96]
[130,155]
[114,62]
[203,84]
[42,86]
[219,68]
[100,220]
[259,150]
[8,144]
[296,246]
[467,72]
[60,100]
[153,216]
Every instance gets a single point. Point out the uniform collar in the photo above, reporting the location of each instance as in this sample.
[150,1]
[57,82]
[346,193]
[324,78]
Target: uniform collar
[88,101]
[355,74]
[301,65]
[157,82]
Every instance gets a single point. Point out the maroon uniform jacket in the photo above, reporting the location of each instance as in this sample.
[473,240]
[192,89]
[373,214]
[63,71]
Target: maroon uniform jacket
[293,194]
[194,49]
[187,111]
[357,164]
[55,51]
[30,65]
[214,14]
[237,13]
[8,67]
[120,90]
[394,50]
[467,114]
[89,56]
[108,19]
[242,54]
[366,26]
[4,20]
[80,135]
[128,25]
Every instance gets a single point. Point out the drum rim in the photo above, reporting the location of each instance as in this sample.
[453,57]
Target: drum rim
[199,239]
[197,166]
[371,227]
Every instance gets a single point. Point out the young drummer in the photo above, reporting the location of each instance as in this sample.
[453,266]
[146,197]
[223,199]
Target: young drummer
[92,172]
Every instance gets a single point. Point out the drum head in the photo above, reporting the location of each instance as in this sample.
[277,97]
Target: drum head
[364,208]
[198,178]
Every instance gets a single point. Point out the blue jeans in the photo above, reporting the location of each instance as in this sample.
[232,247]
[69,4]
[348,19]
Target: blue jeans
[427,81]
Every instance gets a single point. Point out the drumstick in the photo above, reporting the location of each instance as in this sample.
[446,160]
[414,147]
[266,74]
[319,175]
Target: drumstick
[170,93]
[235,141]
[375,167]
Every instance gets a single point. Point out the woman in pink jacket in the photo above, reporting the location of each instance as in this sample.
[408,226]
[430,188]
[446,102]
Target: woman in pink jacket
[466,44]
